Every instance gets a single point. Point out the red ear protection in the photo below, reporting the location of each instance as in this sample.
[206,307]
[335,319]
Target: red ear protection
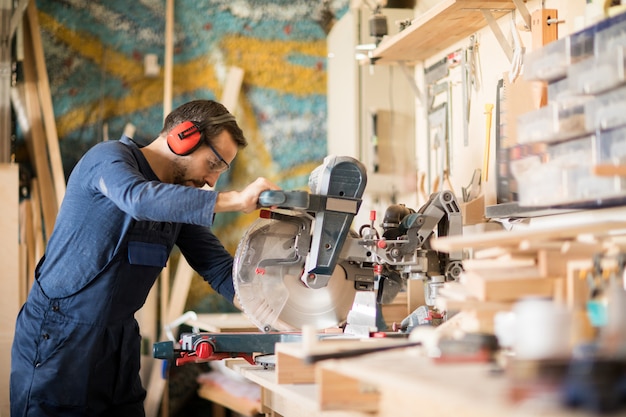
[184,138]
[187,136]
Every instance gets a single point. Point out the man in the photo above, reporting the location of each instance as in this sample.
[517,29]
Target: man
[76,350]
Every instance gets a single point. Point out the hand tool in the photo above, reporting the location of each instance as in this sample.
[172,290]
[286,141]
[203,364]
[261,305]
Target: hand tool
[488,113]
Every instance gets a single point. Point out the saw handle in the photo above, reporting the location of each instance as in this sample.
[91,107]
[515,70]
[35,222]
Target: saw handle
[287,199]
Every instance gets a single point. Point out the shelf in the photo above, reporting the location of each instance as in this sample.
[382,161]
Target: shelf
[443,25]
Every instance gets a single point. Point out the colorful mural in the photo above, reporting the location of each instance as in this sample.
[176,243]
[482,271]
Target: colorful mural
[95,57]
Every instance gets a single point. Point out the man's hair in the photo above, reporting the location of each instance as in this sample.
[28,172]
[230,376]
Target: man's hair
[199,111]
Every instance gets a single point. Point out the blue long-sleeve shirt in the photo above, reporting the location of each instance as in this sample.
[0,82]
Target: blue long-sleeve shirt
[116,211]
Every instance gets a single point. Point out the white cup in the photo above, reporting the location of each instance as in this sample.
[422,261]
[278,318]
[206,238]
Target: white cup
[543,329]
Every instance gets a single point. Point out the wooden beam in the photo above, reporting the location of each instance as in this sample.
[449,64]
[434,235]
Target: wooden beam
[232,87]
[513,238]
[36,137]
[168,65]
[11,285]
[5,81]
[45,101]
[40,245]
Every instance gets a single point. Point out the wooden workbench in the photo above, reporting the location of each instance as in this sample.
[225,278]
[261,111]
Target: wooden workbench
[286,399]
[398,383]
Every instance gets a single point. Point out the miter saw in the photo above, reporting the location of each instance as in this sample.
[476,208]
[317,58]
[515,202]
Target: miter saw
[302,264]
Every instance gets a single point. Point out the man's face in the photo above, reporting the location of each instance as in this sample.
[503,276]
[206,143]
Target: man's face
[205,164]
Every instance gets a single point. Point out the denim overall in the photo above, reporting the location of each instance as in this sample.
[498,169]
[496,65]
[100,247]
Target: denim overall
[89,336]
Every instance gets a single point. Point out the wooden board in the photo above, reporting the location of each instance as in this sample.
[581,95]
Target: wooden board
[513,238]
[11,285]
[292,366]
[45,100]
[36,139]
[445,24]
[243,406]
[340,392]
[409,383]
[288,400]
[223,322]
[506,289]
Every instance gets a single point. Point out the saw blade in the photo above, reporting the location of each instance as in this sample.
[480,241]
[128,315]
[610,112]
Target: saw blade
[266,275]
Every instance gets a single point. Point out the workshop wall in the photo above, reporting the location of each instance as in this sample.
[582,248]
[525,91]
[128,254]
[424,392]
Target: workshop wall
[95,53]
[468,154]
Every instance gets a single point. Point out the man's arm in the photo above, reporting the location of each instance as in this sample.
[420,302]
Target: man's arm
[244,200]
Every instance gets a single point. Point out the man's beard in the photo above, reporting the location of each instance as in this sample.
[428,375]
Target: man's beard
[179,173]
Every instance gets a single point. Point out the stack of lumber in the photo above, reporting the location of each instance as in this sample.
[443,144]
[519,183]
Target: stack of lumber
[508,266]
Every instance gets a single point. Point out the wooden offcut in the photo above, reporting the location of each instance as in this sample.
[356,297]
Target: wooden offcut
[337,391]
[506,289]
[290,365]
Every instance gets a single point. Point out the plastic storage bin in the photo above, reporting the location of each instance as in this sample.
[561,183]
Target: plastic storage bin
[554,122]
[550,63]
[599,73]
[606,111]
[565,174]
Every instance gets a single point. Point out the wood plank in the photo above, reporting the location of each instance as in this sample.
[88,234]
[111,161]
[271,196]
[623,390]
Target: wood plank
[36,138]
[11,285]
[506,289]
[340,392]
[39,247]
[27,240]
[242,405]
[291,368]
[513,238]
[408,382]
[45,101]
[446,23]
[577,289]
[223,322]
[292,359]
[287,400]
[232,88]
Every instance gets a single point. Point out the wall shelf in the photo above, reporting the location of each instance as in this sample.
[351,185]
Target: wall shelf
[443,25]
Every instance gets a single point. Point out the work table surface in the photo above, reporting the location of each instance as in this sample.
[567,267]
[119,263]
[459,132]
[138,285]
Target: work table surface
[406,382]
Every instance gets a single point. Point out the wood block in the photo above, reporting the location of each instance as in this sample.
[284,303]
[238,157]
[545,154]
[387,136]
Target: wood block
[45,99]
[473,212]
[397,310]
[455,297]
[290,365]
[576,286]
[415,294]
[293,361]
[506,289]
[542,31]
[501,269]
[340,392]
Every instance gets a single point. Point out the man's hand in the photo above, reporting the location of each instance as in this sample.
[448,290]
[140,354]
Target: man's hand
[244,200]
